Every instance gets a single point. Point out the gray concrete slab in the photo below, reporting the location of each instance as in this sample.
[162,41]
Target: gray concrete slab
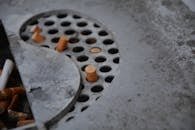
[155,87]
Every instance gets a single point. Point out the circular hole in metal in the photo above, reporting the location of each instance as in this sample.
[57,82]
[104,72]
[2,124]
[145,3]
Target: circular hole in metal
[52,31]
[91,40]
[86,32]
[81,24]
[116,60]
[69,118]
[103,33]
[95,50]
[84,108]
[49,23]
[25,37]
[109,79]
[46,46]
[78,49]
[70,32]
[73,40]
[61,15]
[100,59]
[68,55]
[65,24]
[97,88]
[76,16]
[97,98]
[71,109]
[83,67]
[96,25]
[108,42]
[83,98]
[82,86]
[105,68]
[55,39]
[34,22]
[82,58]
[113,51]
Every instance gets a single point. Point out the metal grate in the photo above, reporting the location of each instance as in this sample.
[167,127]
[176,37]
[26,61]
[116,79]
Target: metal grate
[90,42]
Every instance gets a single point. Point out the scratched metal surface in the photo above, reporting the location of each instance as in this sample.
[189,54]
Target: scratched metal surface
[155,88]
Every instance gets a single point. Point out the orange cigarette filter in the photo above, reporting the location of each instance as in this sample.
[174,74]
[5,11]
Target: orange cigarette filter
[14,103]
[18,90]
[36,28]
[24,122]
[17,115]
[38,38]
[3,106]
[62,44]
[91,74]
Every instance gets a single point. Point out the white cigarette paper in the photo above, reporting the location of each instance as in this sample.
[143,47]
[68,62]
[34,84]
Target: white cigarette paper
[7,69]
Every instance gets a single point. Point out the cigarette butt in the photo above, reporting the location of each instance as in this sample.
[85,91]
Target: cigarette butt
[3,106]
[35,28]
[8,93]
[91,74]
[38,38]
[2,126]
[24,122]
[18,90]
[14,102]
[17,115]
[62,44]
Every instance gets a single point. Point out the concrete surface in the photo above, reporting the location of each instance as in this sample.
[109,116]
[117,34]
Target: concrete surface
[155,88]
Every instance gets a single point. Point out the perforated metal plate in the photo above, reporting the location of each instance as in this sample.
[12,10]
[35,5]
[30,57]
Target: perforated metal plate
[90,42]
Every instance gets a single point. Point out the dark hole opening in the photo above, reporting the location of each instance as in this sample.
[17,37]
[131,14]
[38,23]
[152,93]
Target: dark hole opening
[69,32]
[62,15]
[70,118]
[109,79]
[55,39]
[105,69]
[25,37]
[46,46]
[65,24]
[103,33]
[53,31]
[113,51]
[116,60]
[91,40]
[96,25]
[34,22]
[78,49]
[97,88]
[83,98]
[49,23]
[81,24]
[73,40]
[82,58]
[108,42]
[76,17]
[100,59]
[86,32]
[84,108]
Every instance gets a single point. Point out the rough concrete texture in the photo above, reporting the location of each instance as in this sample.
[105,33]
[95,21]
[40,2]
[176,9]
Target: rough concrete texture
[51,80]
[155,88]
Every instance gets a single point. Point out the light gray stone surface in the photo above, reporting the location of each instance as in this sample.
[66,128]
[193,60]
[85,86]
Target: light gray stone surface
[155,88]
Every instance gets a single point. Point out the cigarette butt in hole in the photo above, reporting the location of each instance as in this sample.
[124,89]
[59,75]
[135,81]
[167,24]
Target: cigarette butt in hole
[17,115]
[38,38]
[36,28]
[91,74]
[62,44]
[14,103]
[3,106]
[24,122]
[8,93]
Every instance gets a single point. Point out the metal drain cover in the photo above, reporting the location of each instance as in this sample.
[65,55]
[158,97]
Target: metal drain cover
[51,80]
[90,42]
